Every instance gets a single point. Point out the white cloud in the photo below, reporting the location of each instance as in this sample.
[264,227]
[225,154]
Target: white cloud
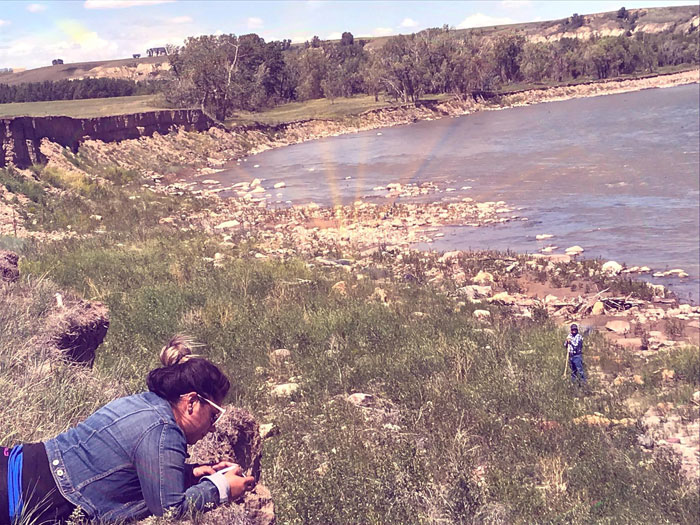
[516,4]
[408,22]
[298,38]
[482,20]
[180,20]
[337,35]
[4,22]
[36,8]
[382,31]
[254,22]
[120,4]
[37,51]
[74,42]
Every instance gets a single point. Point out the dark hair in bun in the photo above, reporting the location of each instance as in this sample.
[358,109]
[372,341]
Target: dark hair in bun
[185,372]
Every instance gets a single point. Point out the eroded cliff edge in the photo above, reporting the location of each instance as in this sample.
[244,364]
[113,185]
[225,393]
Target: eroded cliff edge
[21,136]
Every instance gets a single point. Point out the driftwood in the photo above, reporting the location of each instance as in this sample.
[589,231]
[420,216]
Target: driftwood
[621,303]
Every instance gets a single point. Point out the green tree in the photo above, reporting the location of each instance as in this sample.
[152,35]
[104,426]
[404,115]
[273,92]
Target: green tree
[311,67]
[221,73]
[371,74]
[332,84]
[575,21]
[402,67]
[507,51]
[537,61]
[346,59]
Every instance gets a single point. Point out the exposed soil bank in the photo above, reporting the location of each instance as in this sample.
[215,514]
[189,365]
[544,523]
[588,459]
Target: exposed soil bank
[21,136]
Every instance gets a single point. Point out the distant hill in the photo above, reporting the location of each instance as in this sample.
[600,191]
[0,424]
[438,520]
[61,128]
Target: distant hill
[147,68]
[652,20]
[682,19]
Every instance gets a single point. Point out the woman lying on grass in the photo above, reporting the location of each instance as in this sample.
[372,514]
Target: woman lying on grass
[127,460]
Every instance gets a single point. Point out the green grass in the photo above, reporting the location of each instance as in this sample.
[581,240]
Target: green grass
[318,109]
[88,108]
[457,434]
[455,398]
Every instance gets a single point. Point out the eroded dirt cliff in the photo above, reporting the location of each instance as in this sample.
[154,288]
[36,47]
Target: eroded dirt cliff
[21,136]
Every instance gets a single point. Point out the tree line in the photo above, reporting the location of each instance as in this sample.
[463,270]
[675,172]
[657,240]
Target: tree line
[225,73]
[222,74]
[77,89]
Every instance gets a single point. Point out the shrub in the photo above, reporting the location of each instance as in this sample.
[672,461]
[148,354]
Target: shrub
[675,328]
[15,182]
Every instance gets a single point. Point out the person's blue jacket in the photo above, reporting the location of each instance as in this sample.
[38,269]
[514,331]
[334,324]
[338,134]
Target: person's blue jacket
[127,461]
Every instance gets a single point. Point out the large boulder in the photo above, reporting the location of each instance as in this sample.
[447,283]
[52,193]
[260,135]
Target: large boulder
[483,278]
[574,250]
[9,270]
[618,326]
[76,328]
[503,298]
[475,291]
[611,268]
[360,399]
[482,315]
[285,390]
[598,308]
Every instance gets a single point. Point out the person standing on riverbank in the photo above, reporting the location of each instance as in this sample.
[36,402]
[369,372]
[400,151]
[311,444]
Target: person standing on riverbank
[574,345]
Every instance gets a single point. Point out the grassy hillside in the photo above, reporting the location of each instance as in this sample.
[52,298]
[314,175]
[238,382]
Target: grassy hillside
[468,422]
[600,22]
[74,70]
[87,108]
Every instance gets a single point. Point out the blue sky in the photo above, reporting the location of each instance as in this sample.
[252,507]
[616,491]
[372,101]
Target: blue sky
[32,33]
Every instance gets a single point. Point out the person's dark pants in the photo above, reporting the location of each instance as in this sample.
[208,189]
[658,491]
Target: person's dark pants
[576,364]
[43,503]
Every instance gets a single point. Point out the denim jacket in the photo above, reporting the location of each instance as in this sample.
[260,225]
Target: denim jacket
[127,461]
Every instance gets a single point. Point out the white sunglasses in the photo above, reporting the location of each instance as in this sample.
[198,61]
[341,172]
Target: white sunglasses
[216,416]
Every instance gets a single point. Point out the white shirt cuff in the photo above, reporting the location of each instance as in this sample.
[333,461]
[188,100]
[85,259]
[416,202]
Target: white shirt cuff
[221,483]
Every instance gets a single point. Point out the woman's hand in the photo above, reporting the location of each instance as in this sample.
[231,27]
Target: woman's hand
[238,484]
[207,470]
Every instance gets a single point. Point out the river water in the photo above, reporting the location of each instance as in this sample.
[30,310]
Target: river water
[618,175]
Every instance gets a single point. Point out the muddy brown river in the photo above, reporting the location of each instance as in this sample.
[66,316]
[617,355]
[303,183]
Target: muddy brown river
[618,175]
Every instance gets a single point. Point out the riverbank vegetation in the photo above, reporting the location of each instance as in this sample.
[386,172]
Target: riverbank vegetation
[398,402]
[405,68]
[229,74]
[86,88]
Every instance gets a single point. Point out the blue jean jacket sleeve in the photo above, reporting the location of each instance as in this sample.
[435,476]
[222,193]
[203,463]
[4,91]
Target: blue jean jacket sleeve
[159,458]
